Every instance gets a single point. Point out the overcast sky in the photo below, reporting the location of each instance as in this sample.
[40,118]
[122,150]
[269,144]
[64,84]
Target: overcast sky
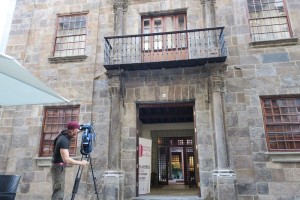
[6,13]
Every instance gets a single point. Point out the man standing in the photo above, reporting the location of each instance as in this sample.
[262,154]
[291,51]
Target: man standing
[61,159]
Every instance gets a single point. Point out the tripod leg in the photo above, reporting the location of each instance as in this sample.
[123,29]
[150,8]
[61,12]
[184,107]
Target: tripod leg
[94,178]
[77,180]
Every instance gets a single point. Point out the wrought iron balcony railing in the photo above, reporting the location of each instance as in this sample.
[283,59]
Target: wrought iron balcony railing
[165,49]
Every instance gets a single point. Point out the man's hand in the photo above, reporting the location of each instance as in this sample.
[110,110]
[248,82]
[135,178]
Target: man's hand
[68,160]
[84,162]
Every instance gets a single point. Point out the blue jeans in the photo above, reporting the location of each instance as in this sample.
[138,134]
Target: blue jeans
[58,181]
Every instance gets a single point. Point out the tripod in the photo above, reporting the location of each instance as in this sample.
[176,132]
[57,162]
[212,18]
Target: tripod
[78,177]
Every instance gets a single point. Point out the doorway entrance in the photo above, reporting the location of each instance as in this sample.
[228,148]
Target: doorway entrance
[171,128]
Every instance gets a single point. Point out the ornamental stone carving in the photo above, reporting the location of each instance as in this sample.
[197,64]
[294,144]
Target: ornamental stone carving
[114,91]
[120,6]
[114,82]
[217,84]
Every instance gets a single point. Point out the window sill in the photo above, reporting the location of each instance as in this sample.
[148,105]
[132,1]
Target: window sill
[273,43]
[66,59]
[284,156]
[46,161]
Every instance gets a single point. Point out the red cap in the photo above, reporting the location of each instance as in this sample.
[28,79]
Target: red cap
[73,125]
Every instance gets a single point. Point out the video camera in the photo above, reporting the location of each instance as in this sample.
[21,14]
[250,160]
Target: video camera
[83,127]
[88,138]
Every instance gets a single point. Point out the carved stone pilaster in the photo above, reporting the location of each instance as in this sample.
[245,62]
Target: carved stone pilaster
[213,13]
[120,8]
[125,5]
[114,80]
[217,89]
[223,176]
[209,8]
[114,177]
[203,13]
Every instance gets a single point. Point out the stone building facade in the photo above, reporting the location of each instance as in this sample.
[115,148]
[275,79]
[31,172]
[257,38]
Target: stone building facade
[238,153]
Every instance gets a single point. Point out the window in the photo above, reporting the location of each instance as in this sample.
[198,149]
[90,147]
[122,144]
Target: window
[157,46]
[165,24]
[71,35]
[268,20]
[282,123]
[55,120]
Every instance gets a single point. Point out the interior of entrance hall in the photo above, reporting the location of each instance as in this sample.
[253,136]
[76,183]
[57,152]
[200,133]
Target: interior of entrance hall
[170,127]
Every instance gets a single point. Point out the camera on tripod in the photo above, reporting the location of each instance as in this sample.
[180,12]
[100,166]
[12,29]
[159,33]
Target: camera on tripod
[88,138]
[87,141]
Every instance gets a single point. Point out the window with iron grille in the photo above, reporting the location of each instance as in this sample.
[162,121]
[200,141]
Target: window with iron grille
[268,20]
[70,35]
[282,123]
[55,120]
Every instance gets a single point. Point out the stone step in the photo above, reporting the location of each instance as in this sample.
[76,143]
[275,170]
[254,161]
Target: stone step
[171,192]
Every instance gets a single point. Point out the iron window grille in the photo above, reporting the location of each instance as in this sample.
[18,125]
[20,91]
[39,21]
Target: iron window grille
[282,123]
[55,120]
[70,35]
[268,20]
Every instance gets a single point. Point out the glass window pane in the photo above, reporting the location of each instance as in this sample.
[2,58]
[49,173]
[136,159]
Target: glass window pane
[69,28]
[282,123]
[157,25]
[146,23]
[181,23]
[266,18]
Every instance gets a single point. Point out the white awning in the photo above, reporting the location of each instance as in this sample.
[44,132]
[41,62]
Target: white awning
[18,86]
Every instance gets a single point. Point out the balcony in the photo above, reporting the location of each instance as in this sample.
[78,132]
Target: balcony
[165,50]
